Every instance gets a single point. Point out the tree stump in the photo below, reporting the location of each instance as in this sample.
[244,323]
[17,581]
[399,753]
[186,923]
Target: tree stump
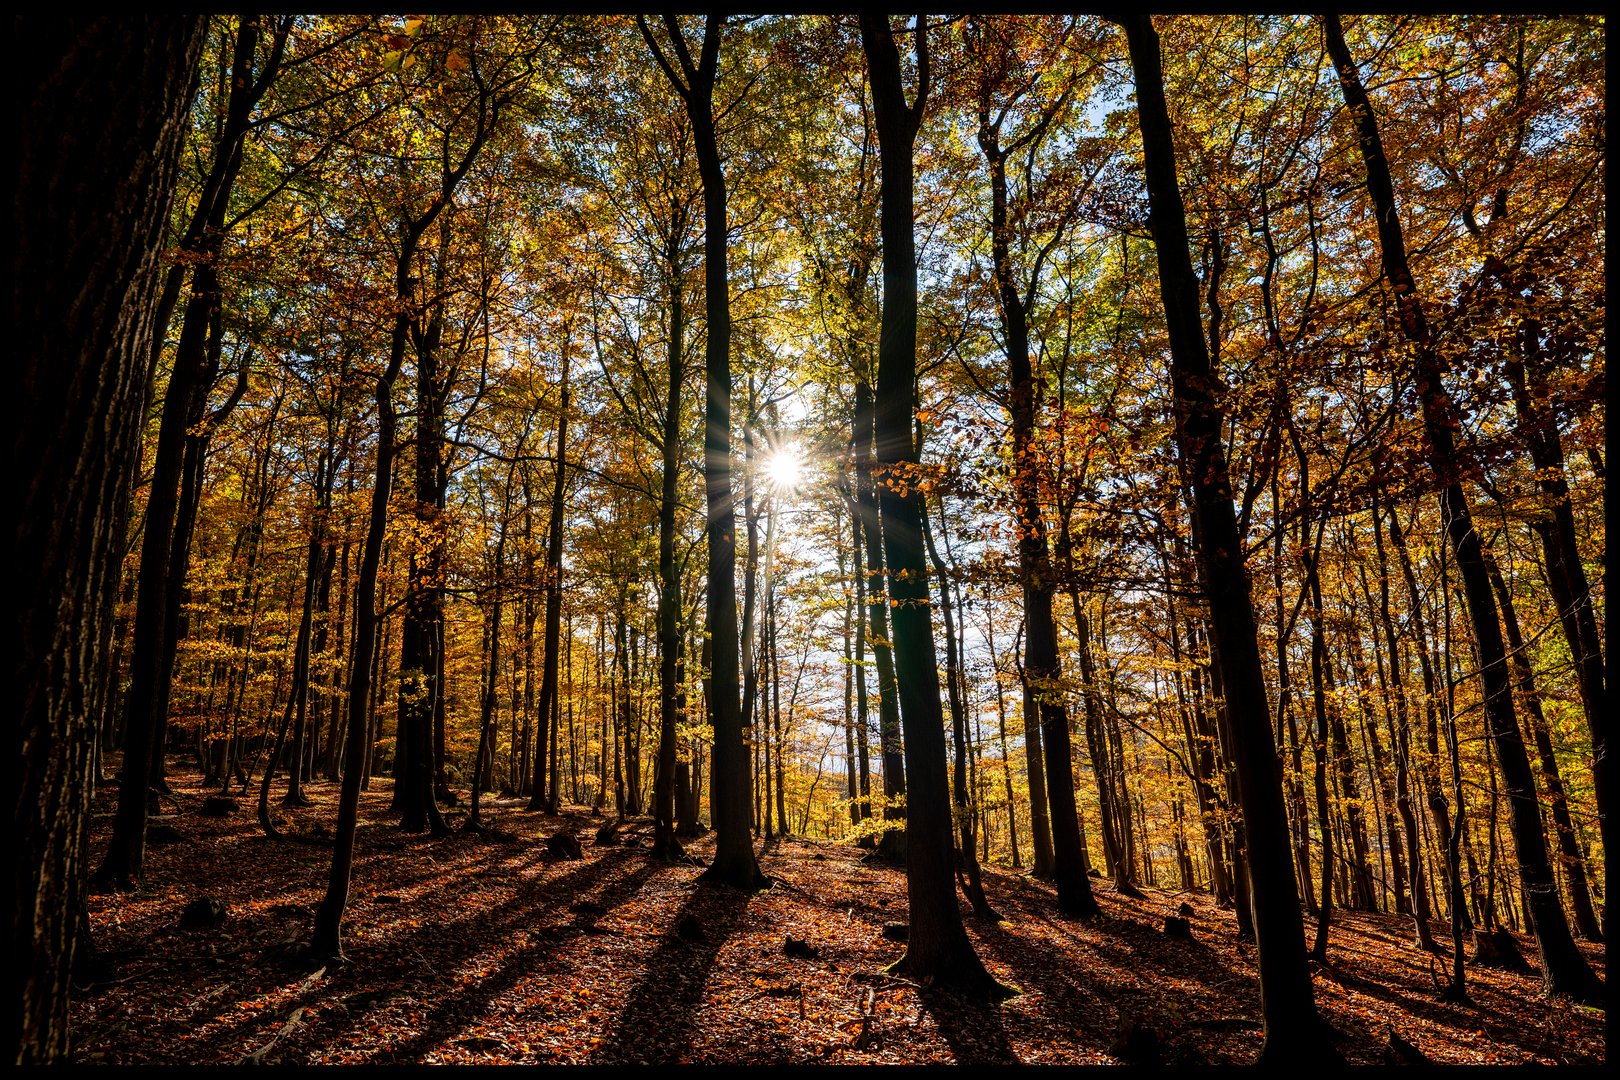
[564,845]
[205,911]
[1497,949]
[219,806]
[1136,1043]
[792,946]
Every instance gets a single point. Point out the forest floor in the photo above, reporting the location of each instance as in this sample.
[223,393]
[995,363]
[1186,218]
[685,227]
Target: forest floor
[479,950]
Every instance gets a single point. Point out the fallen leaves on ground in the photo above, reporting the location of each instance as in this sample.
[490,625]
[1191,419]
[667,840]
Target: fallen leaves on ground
[474,949]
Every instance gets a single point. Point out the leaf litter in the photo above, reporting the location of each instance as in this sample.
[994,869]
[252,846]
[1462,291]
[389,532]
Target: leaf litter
[478,950]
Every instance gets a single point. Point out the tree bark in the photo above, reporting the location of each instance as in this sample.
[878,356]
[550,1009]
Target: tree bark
[547,770]
[1293,1032]
[1569,850]
[101,105]
[670,706]
[938,951]
[734,862]
[962,806]
[1564,969]
[1566,574]
[892,845]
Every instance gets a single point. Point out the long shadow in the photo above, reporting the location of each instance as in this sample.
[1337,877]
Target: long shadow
[452,1013]
[1129,958]
[658,1020]
[972,1029]
[441,945]
[1459,1021]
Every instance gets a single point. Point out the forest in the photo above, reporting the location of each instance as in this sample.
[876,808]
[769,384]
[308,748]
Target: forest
[809,539]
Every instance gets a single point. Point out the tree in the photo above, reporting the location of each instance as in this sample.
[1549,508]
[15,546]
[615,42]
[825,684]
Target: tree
[734,863]
[1564,969]
[1293,1031]
[938,951]
[103,105]
[166,535]
[1003,84]
[491,91]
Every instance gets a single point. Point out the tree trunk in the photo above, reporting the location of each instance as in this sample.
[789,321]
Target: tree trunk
[665,845]
[734,862]
[938,951]
[547,770]
[892,846]
[1006,755]
[1292,1028]
[101,105]
[1566,574]
[184,404]
[1119,867]
[1569,850]
[1400,736]
[1564,969]
[963,810]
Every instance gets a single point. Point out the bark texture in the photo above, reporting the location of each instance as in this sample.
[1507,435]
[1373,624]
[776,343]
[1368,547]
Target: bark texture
[101,103]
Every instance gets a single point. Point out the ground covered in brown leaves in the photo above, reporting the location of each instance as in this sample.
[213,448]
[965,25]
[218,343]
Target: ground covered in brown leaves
[477,950]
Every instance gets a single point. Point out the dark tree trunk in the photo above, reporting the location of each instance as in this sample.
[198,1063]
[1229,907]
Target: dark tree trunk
[851,780]
[547,769]
[1569,849]
[184,402]
[1400,736]
[1043,671]
[963,809]
[1434,794]
[326,941]
[734,862]
[1319,755]
[1293,1031]
[1200,752]
[1006,754]
[492,666]
[100,103]
[892,846]
[1119,866]
[863,709]
[1564,969]
[421,657]
[318,566]
[665,845]
[938,951]
[1566,574]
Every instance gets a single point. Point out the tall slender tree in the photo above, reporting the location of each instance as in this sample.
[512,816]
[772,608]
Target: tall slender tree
[734,862]
[1563,969]
[938,951]
[1293,1030]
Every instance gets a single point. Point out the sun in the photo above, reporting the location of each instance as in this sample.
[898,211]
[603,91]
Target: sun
[784,469]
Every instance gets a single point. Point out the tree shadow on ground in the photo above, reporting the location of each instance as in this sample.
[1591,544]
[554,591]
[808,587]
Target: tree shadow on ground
[660,1017]
[455,1010]
[972,1028]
